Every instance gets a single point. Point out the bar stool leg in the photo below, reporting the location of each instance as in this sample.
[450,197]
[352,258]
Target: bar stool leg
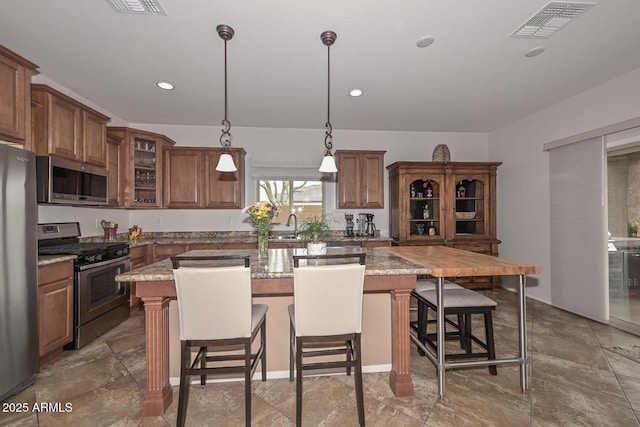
[299,381]
[358,381]
[491,347]
[292,350]
[183,397]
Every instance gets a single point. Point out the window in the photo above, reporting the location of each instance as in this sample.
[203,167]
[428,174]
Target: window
[303,198]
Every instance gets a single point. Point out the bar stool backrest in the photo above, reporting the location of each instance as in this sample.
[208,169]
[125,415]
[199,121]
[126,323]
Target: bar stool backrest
[328,298]
[213,302]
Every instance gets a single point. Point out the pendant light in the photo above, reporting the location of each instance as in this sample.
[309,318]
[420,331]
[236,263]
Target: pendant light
[225,163]
[328,161]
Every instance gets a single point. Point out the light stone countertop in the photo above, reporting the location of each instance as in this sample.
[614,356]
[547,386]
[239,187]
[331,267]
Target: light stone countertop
[279,264]
[53,259]
[149,238]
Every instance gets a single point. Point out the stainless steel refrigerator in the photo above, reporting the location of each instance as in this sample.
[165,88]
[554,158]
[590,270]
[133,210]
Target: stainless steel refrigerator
[18,271]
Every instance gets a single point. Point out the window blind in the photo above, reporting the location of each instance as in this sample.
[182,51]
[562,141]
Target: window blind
[579,266]
[286,169]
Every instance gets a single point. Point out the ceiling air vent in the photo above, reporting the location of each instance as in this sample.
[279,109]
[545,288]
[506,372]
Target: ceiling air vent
[145,7]
[550,19]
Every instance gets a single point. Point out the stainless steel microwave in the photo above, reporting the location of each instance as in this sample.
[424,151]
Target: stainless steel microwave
[65,181]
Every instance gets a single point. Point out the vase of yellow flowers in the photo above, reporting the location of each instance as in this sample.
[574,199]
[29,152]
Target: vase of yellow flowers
[261,213]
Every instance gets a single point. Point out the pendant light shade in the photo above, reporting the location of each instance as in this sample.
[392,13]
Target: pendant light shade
[328,164]
[225,163]
[328,161]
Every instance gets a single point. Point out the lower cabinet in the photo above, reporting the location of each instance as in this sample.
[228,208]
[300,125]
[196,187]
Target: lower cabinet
[161,252]
[55,308]
[139,258]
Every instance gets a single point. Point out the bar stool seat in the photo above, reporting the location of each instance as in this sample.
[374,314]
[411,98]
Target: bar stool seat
[463,303]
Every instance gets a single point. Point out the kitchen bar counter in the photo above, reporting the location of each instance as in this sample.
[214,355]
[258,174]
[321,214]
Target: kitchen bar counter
[385,273]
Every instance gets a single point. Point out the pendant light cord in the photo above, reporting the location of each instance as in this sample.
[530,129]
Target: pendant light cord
[225,138]
[328,138]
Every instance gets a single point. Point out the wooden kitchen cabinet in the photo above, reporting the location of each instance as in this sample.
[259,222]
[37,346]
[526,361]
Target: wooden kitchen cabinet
[55,308]
[161,251]
[191,180]
[140,165]
[115,169]
[139,258]
[15,102]
[66,128]
[360,179]
[450,204]
[376,243]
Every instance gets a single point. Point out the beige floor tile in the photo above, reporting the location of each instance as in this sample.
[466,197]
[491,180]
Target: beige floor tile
[582,373]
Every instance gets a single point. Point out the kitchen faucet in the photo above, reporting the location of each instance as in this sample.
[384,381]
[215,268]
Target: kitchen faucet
[295,224]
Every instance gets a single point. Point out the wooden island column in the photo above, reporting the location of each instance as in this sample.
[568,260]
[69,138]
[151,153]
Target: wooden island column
[159,394]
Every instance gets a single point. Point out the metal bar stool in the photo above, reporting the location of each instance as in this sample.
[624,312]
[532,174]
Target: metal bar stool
[463,303]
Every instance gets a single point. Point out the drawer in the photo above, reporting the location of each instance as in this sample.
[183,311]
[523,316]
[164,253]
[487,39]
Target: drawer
[55,272]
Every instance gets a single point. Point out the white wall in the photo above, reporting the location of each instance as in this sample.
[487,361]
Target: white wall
[523,179]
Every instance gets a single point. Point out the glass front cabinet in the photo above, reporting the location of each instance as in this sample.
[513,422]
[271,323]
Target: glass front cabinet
[451,204]
[141,170]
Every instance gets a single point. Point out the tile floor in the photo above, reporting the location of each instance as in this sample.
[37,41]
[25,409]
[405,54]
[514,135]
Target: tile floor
[583,374]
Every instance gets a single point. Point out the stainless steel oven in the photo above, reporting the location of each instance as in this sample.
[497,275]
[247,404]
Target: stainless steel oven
[100,302]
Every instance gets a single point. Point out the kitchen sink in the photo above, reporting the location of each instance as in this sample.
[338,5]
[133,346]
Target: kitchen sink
[284,238]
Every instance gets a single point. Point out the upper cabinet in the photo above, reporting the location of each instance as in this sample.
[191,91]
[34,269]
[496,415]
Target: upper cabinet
[115,147]
[435,202]
[66,128]
[360,179]
[192,181]
[140,166]
[15,99]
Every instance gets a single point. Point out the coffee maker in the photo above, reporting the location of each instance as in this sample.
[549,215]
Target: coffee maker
[370,226]
[362,224]
[349,225]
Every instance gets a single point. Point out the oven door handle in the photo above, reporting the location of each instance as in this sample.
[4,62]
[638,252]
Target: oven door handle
[103,263]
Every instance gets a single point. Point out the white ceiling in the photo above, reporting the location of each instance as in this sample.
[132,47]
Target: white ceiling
[473,78]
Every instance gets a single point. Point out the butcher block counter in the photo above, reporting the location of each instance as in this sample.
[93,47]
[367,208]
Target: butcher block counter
[388,278]
[448,262]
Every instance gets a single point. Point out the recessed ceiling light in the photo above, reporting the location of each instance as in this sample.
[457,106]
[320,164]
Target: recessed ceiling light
[355,92]
[425,41]
[165,85]
[534,52]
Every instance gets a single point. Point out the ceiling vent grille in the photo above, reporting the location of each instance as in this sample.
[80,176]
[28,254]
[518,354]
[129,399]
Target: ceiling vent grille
[144,7]
[550,19]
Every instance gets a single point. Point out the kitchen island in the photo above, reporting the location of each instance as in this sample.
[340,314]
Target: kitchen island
[385,273]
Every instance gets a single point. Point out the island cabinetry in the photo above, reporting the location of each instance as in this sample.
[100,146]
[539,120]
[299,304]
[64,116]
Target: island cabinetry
[139,258]
[66,128]
[15,102]
[164,251]
[140,166]
[376,243]
[191,180]
[360,179]
[448,204]
[55,308]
